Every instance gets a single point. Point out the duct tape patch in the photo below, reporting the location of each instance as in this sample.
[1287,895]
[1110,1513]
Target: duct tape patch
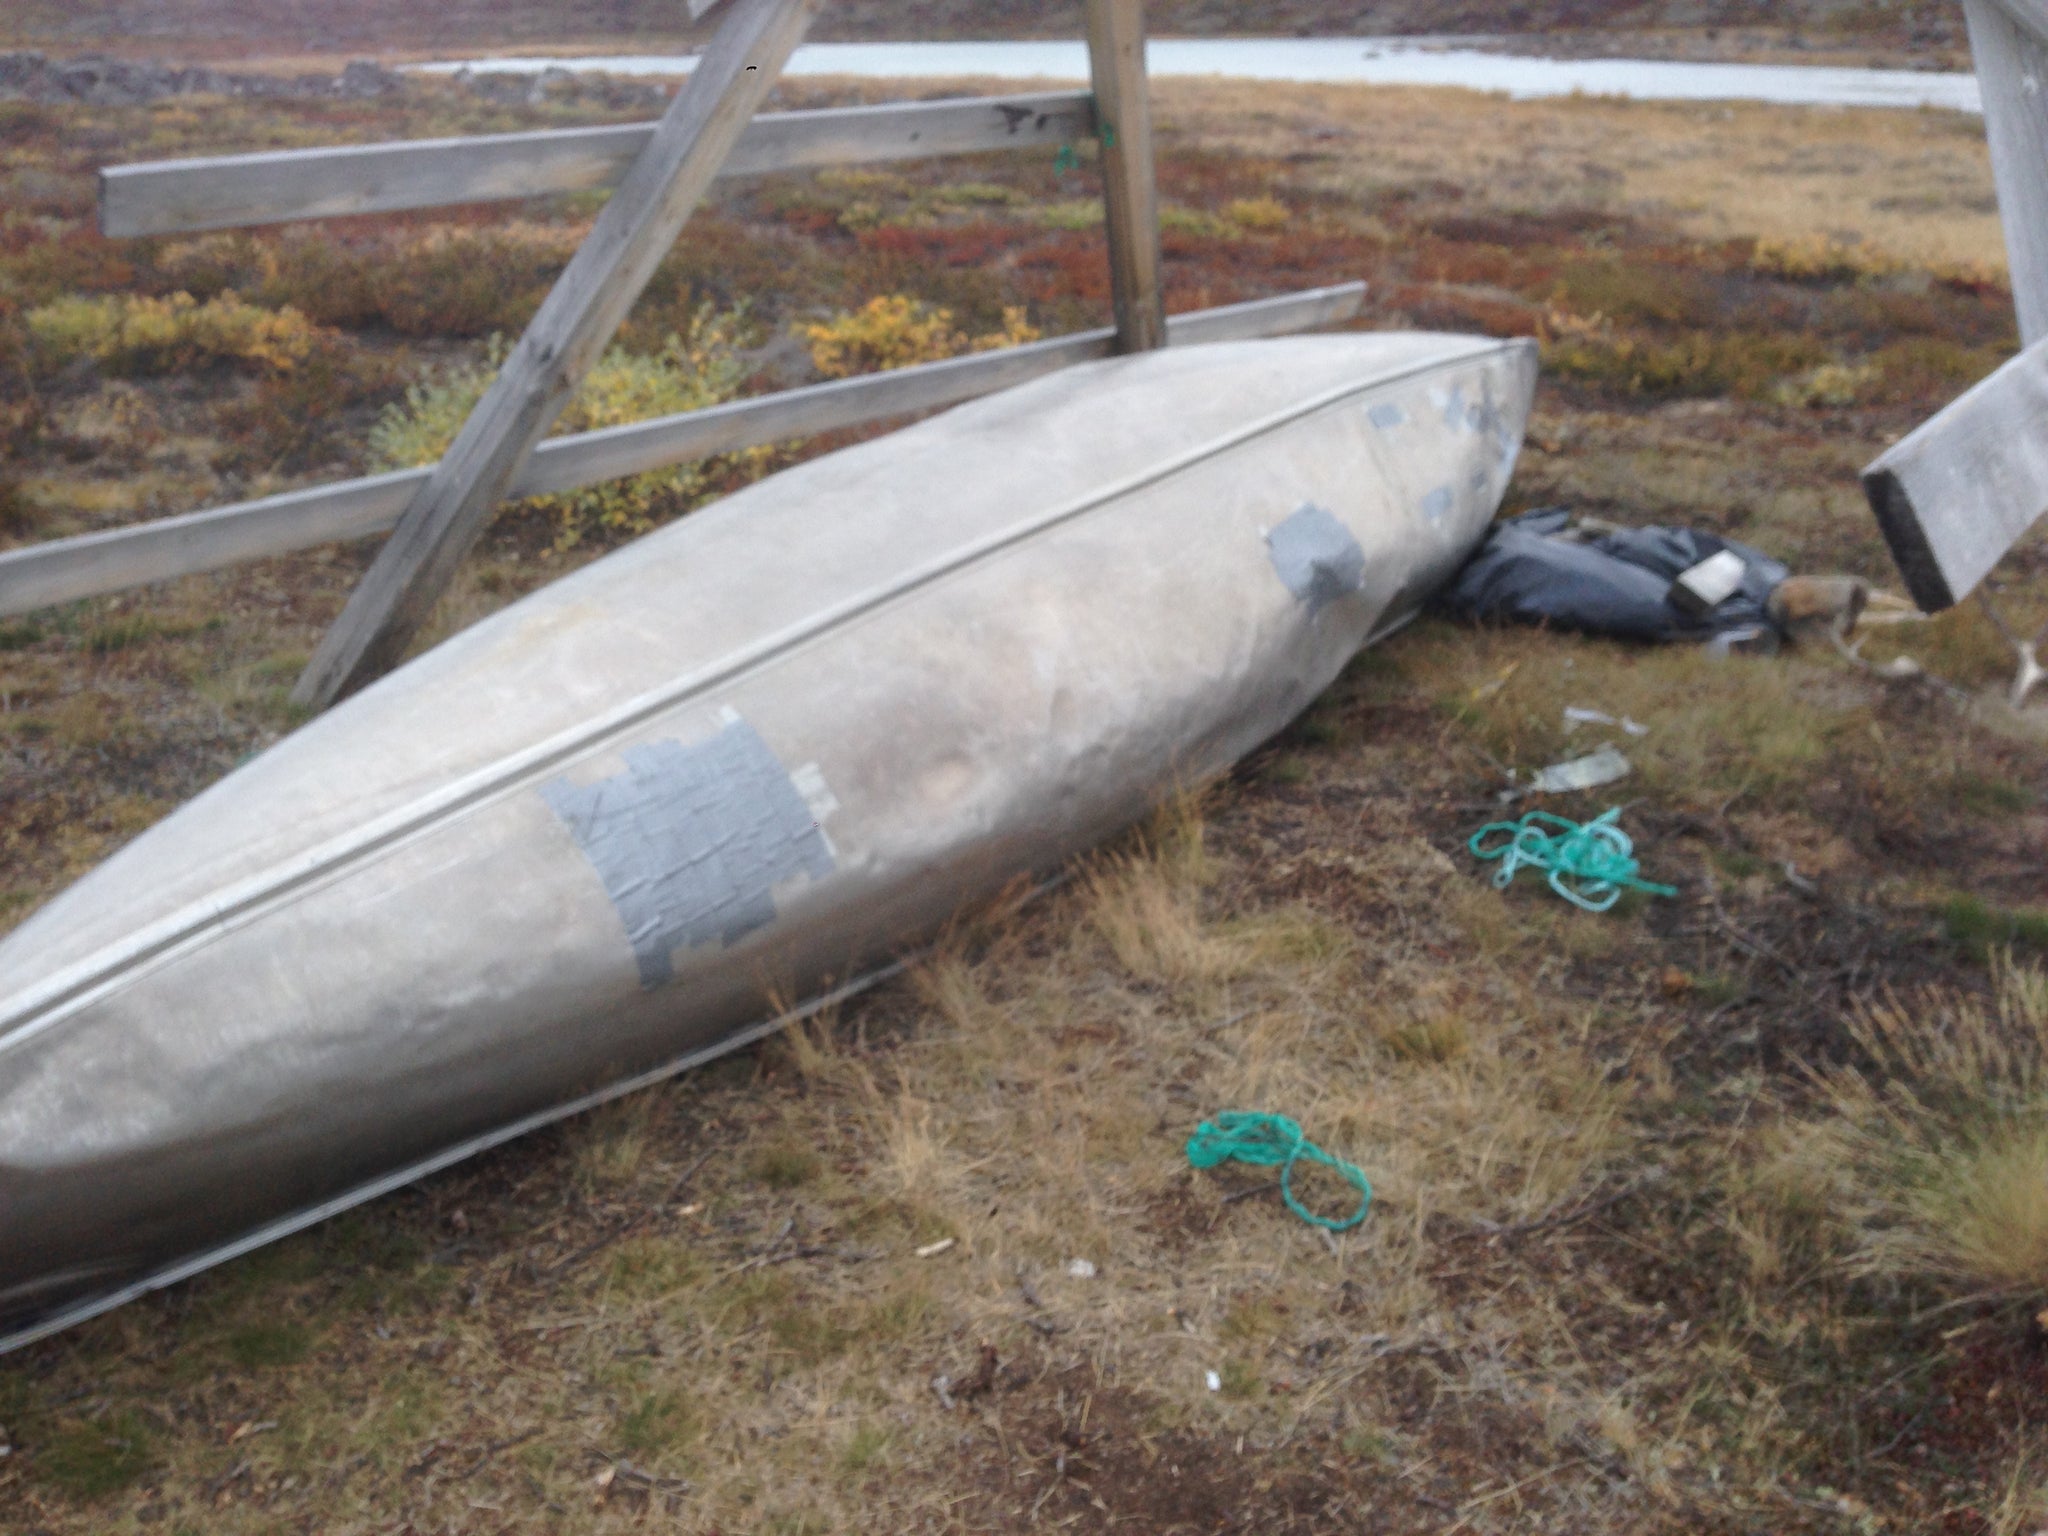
[691,842]
[1316,556]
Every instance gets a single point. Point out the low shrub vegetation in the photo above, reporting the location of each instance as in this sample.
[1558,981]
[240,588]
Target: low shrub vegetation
[129,334]
[896,331]
[685,375]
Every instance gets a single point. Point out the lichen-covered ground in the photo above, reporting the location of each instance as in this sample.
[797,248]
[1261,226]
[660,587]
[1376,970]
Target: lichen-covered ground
[1715,1213]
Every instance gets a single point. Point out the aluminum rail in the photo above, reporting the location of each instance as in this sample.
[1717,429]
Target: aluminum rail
[94,564]
[234,191]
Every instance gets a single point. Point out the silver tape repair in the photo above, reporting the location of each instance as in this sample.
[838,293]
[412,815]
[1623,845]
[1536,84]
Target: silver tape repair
[691,842]
[1316,556]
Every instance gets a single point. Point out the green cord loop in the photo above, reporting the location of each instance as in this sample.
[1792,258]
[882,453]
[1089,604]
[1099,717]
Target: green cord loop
[1265,1140]
[1589,866]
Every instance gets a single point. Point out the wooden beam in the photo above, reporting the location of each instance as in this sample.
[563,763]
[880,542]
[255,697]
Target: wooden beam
[1116,61]
[2029,15]
[2012,73]
[1961,489]
[94,564]
[234,191]
[633,232]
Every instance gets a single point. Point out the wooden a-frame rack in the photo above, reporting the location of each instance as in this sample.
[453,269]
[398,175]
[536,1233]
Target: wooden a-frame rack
[659,172]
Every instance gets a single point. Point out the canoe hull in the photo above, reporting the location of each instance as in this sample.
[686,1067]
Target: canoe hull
[585,843]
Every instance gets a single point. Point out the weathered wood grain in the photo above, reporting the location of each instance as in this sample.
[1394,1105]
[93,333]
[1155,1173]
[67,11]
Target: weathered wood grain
[633,232]
[232,191]
[2030,15]
[92,565]
[1116,61]
[2012,73]
[1959,491]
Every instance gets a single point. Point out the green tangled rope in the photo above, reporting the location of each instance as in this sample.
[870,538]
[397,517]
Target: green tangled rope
[1589,866]
[1266,1140]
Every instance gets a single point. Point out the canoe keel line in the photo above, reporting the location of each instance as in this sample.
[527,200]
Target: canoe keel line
[587,843]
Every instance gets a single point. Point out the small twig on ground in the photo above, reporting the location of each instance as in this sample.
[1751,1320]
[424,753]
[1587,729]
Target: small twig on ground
[219,1485]
[495,1448]
[1580,1213]
[555,1272]
[683,1180]
[1257,1189]
[1059,1476]
[1471,1505]
[1899,1439]
[1236,1018]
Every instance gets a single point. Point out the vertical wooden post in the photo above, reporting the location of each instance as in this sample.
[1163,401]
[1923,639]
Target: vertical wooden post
[1116,61]
[631,235]
[2012,73]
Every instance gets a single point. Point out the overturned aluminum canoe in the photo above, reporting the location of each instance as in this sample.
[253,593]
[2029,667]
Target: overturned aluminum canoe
[589,840]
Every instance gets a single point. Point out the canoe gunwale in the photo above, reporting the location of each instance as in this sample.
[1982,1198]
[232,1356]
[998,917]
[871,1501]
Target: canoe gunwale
[48,1003]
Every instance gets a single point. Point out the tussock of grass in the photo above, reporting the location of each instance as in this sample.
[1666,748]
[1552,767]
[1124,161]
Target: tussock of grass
[1928,1165]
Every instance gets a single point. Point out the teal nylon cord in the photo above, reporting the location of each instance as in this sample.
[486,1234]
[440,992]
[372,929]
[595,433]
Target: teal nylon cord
[1589,866]
[1266,1141]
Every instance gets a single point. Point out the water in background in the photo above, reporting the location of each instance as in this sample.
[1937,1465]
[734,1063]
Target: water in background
[1339,60]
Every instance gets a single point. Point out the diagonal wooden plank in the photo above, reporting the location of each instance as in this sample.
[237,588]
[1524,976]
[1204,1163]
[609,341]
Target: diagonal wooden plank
[163,197]
[632,234]
[1116,60]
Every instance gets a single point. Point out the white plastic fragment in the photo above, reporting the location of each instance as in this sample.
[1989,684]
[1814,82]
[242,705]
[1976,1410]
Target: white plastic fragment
[933,1250]
[1588,772]
[1576,715]
[1214,1381]
[1080,1269]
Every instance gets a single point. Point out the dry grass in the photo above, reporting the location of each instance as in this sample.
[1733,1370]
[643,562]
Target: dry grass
[1913,185]
[1930,1161]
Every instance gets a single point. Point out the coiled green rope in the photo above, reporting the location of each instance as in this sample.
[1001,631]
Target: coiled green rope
[1589,866]
[1266,1140]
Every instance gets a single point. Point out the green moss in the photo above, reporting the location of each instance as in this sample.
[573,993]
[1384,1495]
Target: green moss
[1240,1381]
[1737,864]
[865,1450]
[811,1333]
[659,1423]
[90,1459]
[1287,769]
[137,629]
[1718,991]
[1990,796]
[267,1344]
[784,1164]
[1980,927]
